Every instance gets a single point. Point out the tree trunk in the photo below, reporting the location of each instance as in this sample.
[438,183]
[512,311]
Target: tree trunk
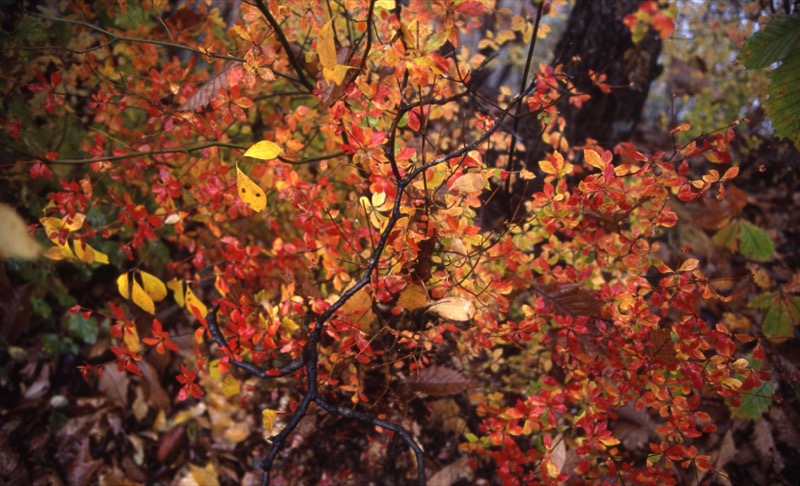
[596,39]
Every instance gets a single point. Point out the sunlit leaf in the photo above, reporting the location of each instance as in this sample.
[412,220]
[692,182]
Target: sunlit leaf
[250,192]
[15,242]
[141,298]
[268,419]
[469,183]
[593,159]
[326,47]
[453,308]
[264,150]
[154,287]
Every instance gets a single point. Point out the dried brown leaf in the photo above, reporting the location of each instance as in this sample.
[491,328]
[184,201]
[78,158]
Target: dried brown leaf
[114,384]
[570,298]
[452,473]
[661,346]
[437,381]
[208,91]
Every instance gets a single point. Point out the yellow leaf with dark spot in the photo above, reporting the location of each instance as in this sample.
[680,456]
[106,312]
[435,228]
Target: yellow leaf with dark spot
[249,191]
[192,302]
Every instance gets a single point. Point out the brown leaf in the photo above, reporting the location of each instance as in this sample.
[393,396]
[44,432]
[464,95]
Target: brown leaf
[82,467]
[452,473]
[634,427]
[171,445]
[570,298]
[114,384]
[151,384]
[453,308]
[208,91]
[661,346]
[437,381]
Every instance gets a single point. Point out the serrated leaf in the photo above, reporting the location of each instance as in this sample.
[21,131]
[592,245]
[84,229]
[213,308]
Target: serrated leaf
[453,308]
[250,192]
[15,242]
[755,243]
[264,150]
[782,314]
[784,98]
[779,38]
[755,402]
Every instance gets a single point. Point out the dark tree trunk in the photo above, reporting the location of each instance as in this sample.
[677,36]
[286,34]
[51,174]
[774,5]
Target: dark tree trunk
[596,39]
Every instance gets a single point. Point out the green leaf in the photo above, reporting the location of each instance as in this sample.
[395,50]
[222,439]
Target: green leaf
[782,314]
[780,36]
[755,402]
[784,98]
[755,243]
[727,237]
[83,328]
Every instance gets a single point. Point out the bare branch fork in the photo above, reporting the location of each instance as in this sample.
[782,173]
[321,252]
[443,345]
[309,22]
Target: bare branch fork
[310,357]
[310,353]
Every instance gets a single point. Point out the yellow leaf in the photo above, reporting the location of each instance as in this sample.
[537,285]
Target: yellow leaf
[57,253]
[467,183]
[131,339]
[689,265]
[326,48]
[453,308]
[141,298]
[154,287]
[413,297]
[336,74]
[176,286]
[214,371]
[123,285]
[249,191]
[206,476]
[241,32]
[86,253]
[268,419]
[526,175]
[264,150]
[385,4]
[547,167]
[593,159]
[193,302]
[230,386]
[15,242]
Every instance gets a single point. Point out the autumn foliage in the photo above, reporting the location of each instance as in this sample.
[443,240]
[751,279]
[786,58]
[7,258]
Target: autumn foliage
[291,208]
